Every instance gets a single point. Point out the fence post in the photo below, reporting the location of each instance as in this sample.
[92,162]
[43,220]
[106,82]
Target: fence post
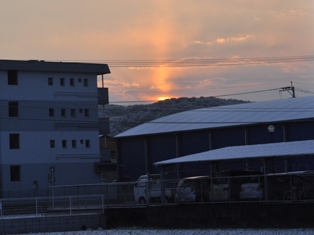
[36,205]
[70,205]
[102,204]
[106,194]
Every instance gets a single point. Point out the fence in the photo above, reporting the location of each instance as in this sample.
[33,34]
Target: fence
[44,206]
[95,198]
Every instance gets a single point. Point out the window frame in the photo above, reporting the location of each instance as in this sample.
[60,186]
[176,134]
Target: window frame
[51,112]
[62,81]
[52,144]
[72,82]
[64,144]
[85,82]
[14,141]
[63,113]
[50,81]
[73,113]
[15,173]
[12,77]
[86,112]
[87,143]
[73,142]
[13,108]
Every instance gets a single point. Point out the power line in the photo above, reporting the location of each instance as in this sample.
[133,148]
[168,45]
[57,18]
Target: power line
[216,96]
[202,62]
[205,62]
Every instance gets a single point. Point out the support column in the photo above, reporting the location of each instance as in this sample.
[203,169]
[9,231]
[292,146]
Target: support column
[210,141]
[162,185]
[146,155]
[177,155]
[246,142]
[285,139]
[265,179]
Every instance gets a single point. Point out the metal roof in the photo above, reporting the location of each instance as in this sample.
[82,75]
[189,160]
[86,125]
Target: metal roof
[229,115]
[282,149]
[43,66]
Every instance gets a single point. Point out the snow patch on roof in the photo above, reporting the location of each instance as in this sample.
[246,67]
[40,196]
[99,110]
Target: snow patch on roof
[282,149]
[229,115]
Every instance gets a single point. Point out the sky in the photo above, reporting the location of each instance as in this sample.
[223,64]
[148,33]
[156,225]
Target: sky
[160,49]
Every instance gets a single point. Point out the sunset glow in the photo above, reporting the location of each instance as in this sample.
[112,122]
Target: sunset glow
[152,34]
[163,98]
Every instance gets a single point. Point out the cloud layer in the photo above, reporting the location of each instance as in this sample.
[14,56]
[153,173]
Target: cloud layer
[140,30]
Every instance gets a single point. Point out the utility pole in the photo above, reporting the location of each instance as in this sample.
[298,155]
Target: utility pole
[290,89]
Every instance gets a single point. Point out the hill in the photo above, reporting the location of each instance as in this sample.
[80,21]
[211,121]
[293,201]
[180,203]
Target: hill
[123,118]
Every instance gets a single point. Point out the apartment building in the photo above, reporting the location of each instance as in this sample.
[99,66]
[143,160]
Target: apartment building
[49,125]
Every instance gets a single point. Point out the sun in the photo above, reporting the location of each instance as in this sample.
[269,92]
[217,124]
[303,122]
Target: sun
[163,98]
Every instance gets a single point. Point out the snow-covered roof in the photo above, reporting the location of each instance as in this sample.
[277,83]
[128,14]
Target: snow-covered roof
[282,149]
[229,115]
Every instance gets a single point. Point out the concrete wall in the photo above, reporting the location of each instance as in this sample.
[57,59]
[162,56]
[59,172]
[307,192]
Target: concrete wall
[52,224]
[240,215]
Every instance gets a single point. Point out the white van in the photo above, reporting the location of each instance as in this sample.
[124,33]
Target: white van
[148,189]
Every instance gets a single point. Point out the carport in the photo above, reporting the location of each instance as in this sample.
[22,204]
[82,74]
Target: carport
[262,152]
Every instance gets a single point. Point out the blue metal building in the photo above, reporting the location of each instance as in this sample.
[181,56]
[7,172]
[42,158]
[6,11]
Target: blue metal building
[206,129]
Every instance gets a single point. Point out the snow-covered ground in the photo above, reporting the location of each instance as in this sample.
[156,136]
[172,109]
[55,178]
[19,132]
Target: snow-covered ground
[141,231]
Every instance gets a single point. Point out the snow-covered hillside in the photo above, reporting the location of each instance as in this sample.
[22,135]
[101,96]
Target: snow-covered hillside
[123,118]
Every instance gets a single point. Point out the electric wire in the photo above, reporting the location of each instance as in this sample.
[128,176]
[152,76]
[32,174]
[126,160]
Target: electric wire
[202,62]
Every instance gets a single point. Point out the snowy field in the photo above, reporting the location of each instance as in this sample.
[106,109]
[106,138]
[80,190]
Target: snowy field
[139,231]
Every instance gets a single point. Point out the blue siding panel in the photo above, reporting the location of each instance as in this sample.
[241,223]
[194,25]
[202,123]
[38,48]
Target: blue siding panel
[131,158]
[259,134]
[228,137]
[300,130]
[193,142]
[160,148]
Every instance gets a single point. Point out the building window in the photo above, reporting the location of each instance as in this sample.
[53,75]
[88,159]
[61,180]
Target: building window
[12,77]
[73,143]
[13,109]
[62,83]
[51,112]
[82,141]
[14,141]
[87,143]
[71,81]
[72,112]
[86,112]
[64,143]
[50,81]
[80,80]
[85,82]
[52,144]
[15,173]
[63,112]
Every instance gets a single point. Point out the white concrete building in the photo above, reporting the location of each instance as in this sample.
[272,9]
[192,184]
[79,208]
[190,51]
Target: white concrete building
[49,125]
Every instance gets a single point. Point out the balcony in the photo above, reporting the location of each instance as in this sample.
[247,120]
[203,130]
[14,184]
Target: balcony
[103,97]
[104,126]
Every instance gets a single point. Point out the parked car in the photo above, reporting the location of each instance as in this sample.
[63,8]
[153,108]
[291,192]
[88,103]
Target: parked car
[226,184]
[216,188]
[193,189]
[148,189]
[252,190]
[278,185]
